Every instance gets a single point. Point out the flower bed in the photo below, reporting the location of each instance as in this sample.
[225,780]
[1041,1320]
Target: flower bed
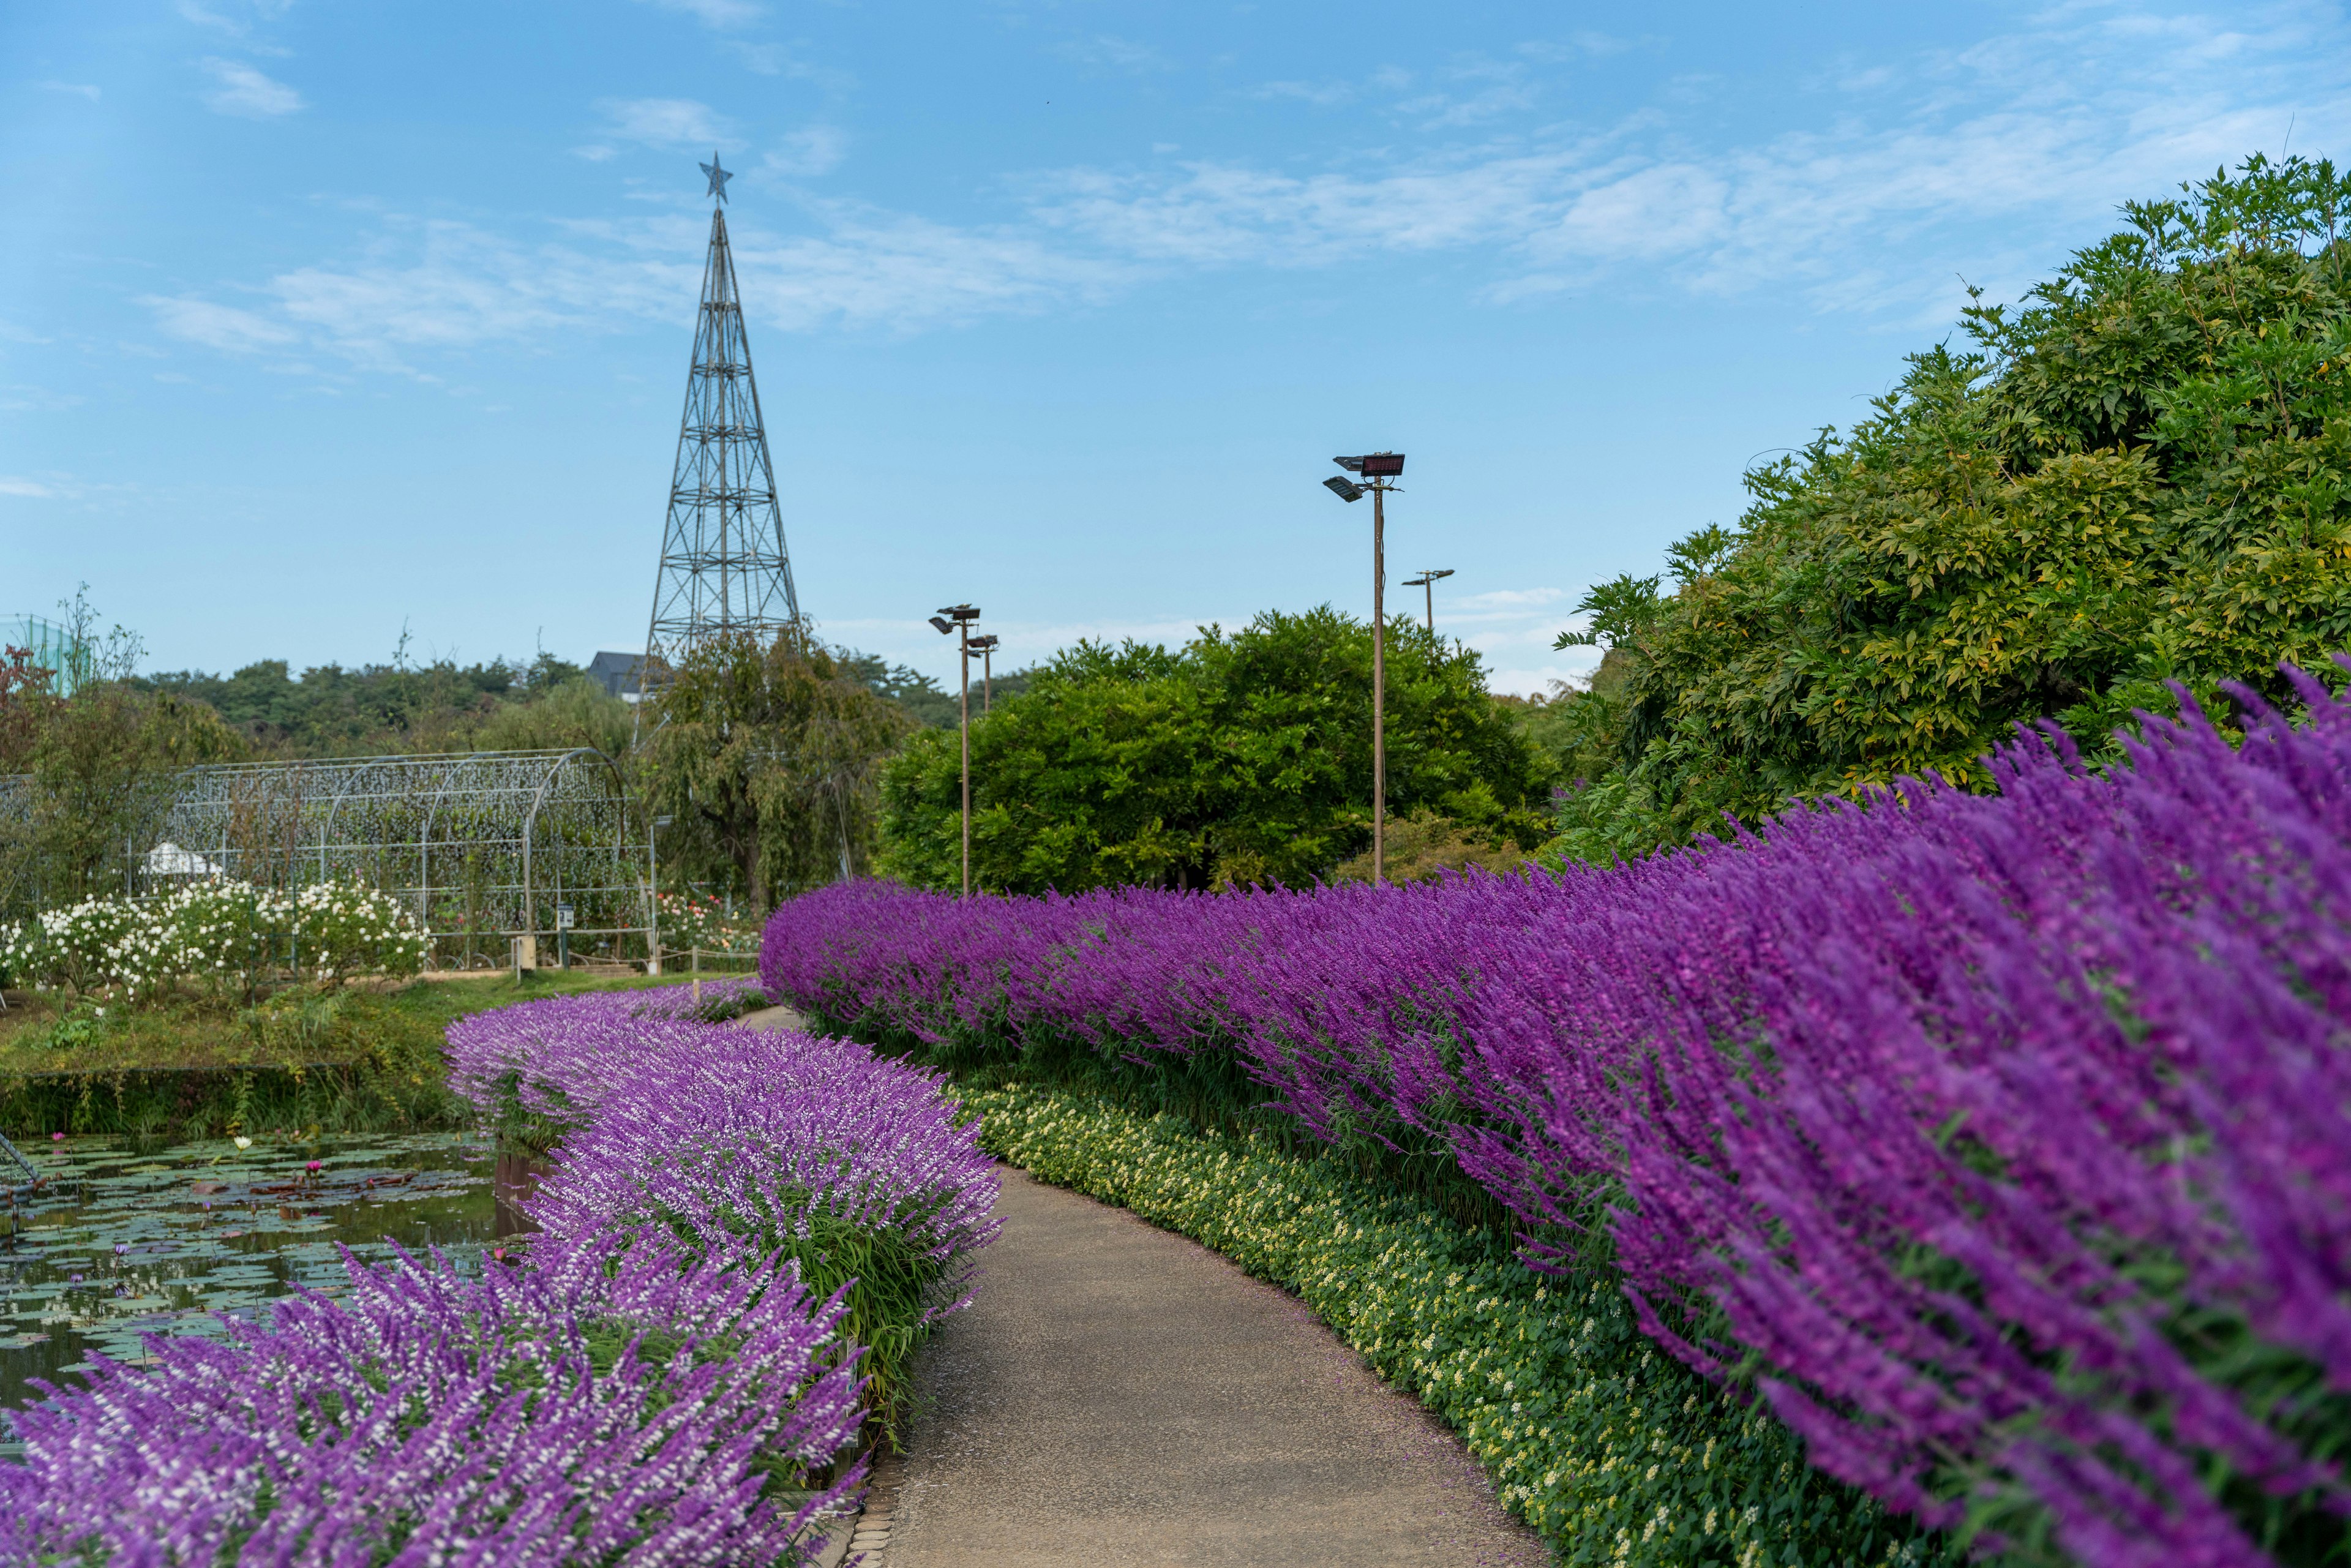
[228,938]
[770,1142]
[672,1373]
[2002,1146]
[1612,1451]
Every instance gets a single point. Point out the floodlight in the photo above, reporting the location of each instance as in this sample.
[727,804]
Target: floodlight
[1440,572]
[960,611]
[1421,582]
[1352,465]
[946,626]
[1346,489]
[980,643]
[1381,464]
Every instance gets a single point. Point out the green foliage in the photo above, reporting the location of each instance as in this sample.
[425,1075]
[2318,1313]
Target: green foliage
[2139,475]
[404,706]
[100,769]
[1424,846]
[574,712]
[925,700]
[340,1060]
[891,1285]
[1239,758]
[766,756]
[1612,1450]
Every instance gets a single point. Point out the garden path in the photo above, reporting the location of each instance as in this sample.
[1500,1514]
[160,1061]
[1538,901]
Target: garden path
[1116,1394]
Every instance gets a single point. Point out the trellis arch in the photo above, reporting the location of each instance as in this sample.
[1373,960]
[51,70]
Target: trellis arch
[482,845]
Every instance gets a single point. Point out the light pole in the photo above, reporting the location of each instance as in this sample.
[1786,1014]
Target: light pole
[1379,471]
[986,648]
[958,618]
[1427,582]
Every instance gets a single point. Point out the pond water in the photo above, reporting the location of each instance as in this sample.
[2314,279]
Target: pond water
[118,1242]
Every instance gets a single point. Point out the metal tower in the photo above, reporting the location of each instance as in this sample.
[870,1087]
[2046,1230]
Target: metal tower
[724,566]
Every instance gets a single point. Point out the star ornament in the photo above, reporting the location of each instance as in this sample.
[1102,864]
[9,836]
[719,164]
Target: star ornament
[718,178]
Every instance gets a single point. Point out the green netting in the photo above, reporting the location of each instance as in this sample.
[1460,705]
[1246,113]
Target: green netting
[52,647]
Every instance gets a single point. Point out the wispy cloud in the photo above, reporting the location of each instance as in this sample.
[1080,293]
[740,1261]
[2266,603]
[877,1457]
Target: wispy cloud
[1871,208]
[668,123]
[818,150]
[216,326]
[1107,52]
[24,398]
[84,89]
[721,14]
[240,90]
[427,287]
[30,489]
[1321,94]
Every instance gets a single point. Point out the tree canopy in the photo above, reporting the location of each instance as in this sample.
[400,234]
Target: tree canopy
[2139,475]
[1240,758]
[763,755]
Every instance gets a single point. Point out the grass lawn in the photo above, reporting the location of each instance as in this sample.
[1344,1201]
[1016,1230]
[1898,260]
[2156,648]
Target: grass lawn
[352,1059]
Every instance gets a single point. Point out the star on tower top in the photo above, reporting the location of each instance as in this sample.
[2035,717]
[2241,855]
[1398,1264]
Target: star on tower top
[718,178]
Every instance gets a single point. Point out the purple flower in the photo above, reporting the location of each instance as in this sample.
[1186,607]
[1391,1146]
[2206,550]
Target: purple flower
[1954,1111]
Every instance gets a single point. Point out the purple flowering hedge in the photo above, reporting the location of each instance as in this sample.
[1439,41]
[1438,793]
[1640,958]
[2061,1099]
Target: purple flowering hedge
[2002,1146]
[661,1378]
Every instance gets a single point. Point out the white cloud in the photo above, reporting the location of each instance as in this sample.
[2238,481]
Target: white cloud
[442,286]
[1321,94]
[84,89]
[1107,52]
[216,326]
[667,122]
[31,489]
[1871,208]
[192,12]
[244,92]
[24,398]
[818,150]
[1511,598]
[714,13]
[1668,208]
[594,153]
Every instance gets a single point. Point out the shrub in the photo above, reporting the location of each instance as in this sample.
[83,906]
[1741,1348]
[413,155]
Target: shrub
[1610,1450]
[230,938]
[622,1405]
[771,1143]
[2002,1144]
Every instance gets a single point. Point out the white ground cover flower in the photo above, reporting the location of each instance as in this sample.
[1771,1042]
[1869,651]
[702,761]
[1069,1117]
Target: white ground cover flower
[221,935]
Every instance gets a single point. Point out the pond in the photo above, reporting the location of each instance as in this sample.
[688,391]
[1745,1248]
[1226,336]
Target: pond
[121,1240]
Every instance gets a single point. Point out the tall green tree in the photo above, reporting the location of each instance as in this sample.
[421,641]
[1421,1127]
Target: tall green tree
[1240,758]
[2141,475]
[766,756]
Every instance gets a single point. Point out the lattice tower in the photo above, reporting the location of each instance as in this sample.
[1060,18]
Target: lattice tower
[724,564]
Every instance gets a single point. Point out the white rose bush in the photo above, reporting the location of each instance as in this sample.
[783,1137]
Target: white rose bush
[220,938]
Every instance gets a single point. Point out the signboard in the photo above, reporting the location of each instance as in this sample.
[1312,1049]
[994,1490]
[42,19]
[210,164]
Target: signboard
[563,917]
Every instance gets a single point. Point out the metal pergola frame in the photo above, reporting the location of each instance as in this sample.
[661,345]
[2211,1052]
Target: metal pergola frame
[481,845]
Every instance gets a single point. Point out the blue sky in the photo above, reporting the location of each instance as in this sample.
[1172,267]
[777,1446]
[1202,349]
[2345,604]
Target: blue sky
[318,320]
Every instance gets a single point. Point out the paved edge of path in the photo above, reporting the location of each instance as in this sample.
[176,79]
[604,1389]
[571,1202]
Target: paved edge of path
[1118,1394]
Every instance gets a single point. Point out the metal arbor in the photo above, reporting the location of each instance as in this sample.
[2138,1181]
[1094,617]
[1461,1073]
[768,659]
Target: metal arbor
[482,845]
[724,564]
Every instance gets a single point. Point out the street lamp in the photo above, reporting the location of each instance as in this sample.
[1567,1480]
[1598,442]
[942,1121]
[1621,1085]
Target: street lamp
[986,648]
[958,618]
[1379,471]
[1426,582]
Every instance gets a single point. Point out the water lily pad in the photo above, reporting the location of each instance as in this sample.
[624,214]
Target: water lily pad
[163,1242]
